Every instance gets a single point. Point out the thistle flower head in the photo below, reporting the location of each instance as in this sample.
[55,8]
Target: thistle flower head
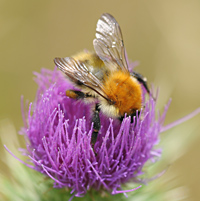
[58,131]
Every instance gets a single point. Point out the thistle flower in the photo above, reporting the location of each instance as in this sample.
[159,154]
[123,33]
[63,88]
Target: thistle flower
[58,133]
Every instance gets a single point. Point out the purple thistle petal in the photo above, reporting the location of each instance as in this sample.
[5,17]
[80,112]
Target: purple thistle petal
[30,166]
[179,121]
[125,191]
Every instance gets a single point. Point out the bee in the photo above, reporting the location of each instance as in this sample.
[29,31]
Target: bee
[103,76]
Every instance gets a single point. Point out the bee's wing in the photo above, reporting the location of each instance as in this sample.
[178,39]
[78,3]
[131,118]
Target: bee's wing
[79,74]
[109,42]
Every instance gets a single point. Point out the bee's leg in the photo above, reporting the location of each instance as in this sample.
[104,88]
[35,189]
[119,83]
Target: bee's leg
[77,94]
[135,113]
[95,118]
[142,80]
[121,118]
[96,124]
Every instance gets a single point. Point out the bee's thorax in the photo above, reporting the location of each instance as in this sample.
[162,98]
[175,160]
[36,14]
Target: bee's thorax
[124,92]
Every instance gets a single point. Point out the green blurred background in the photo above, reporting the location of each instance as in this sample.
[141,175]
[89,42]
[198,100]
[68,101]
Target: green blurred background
[164,36]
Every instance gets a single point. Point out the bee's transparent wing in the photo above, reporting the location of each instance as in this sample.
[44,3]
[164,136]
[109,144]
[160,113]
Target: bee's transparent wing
[109,42]
[79,74]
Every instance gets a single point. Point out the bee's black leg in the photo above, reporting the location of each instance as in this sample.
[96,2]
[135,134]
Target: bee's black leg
[142,80]
[77,94]
[132,116]
[96,124]
[95,118]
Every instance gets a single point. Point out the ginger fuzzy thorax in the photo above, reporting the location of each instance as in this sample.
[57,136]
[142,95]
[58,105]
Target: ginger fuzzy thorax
[125,93]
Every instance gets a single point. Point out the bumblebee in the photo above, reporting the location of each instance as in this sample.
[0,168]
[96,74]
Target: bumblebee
[103,77]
